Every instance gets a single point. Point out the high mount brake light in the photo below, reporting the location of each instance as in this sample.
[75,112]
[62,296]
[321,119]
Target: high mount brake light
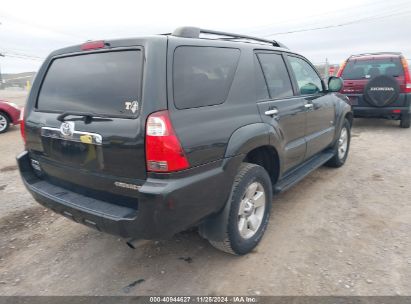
[163,149]
[92,45]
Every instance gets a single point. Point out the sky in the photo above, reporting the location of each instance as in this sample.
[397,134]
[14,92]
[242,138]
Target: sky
[318,29]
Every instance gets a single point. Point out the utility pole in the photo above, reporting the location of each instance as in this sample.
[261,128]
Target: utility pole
[1,77]
[326,69]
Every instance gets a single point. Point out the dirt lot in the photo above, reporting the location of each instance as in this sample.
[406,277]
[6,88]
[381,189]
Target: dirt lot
[339,232]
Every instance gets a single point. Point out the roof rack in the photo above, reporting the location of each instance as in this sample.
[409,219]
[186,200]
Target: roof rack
[377,53]
[194,32]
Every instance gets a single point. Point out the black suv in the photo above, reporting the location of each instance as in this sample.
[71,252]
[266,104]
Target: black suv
[378,85]
[146,137]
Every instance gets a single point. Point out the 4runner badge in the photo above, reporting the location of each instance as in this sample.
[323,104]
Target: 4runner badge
[67,128]
[132,106]
[127,186]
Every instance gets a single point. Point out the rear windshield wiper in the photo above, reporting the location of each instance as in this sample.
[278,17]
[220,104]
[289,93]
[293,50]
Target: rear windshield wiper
[88,117]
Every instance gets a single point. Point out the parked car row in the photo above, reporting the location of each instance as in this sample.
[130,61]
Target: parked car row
[149,136]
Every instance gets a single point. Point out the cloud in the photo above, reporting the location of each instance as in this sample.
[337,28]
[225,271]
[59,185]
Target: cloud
[35,28]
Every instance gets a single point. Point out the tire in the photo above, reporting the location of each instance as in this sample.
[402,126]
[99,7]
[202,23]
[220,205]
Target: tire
[250,181]
[405,121]
[339,158]
[381,98]
[4,122]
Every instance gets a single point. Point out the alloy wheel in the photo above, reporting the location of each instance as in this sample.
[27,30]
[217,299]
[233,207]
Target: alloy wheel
[343,143]
[3,123]
[251,211]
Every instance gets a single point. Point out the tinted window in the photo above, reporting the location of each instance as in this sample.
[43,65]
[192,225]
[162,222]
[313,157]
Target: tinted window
[363,69]
[307,78]
[99,83]
[202,76]
[260,84]
[276,75]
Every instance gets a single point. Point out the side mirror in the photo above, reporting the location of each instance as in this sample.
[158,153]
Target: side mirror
[335,84]
[309,88]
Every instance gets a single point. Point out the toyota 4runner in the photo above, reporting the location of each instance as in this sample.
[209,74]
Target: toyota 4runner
[146,137]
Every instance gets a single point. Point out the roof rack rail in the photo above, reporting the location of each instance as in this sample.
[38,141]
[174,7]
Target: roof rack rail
[377,53]
[194,32]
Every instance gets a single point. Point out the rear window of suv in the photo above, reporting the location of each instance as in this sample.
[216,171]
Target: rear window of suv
[101,83]
[202,76]
[370,68]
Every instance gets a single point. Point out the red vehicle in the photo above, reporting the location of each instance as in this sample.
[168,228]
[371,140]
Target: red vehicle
[9,114]
[378,85]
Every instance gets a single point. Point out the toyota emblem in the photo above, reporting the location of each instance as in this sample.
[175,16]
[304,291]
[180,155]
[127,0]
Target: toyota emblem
[67,128]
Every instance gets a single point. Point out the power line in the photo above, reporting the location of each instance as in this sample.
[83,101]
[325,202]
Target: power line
[18,52]
[22,57]
[12,18]
[337,25]
[341,12]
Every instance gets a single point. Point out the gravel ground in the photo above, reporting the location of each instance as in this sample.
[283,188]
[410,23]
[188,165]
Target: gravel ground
[339,232]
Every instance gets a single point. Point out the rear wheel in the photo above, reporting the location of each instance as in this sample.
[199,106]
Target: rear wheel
[4,122]
[250,204]
[341,146]
[405,121]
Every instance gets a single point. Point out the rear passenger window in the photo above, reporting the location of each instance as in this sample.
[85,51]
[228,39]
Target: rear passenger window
[260,85]
[276,75]
[202,76]
[307,78]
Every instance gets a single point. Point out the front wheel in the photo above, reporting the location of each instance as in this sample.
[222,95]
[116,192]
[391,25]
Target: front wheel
[4,122]
[250,204]
[341,146]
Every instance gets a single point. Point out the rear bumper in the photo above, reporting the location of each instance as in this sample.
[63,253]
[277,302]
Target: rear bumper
[163,208]
[363,109]
[387,112]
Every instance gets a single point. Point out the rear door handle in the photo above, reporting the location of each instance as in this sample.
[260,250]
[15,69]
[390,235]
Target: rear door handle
[271,112]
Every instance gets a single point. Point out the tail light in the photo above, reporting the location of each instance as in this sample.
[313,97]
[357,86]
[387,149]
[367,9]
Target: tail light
[407,75]
[342,67]
[163,149]
[22,125]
